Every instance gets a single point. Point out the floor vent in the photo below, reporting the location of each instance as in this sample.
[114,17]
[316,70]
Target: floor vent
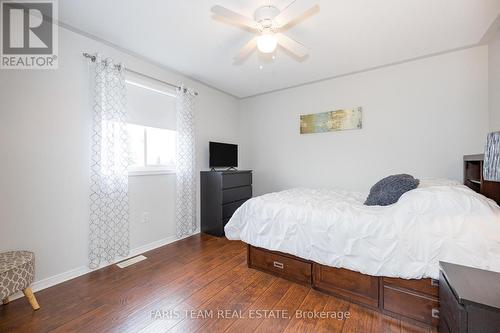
[131,261]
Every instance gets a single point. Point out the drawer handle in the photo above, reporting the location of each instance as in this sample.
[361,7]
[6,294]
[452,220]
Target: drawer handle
[435,313]
[434,282]
[278,264]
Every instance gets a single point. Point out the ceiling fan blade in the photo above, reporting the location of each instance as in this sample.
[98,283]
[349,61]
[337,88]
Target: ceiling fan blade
[234,17]
[297,10]
[292,45]
[245,51]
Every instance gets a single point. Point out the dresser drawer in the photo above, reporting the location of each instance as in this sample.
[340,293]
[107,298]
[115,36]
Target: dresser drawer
[236,180]
[426,286]
[417,306]
[236,194]
[229,209]
[280,264]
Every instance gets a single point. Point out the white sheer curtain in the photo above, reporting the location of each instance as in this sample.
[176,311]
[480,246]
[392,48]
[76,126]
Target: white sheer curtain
[109,207]
[186,177]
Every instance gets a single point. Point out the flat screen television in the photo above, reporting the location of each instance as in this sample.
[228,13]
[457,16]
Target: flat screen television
[223,155]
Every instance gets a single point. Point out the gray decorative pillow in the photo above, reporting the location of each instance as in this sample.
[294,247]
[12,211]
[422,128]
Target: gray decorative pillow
[388,190]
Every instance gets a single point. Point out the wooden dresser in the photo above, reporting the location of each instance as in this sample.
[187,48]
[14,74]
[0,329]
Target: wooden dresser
[473,178]
[469,299]
[222,192]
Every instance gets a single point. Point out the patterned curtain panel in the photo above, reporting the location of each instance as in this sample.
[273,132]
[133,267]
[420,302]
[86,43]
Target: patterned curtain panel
[491,167]
[109,208]
[186,178]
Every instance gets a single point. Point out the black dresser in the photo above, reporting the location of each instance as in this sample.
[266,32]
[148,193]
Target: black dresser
[469,299]
[222,192]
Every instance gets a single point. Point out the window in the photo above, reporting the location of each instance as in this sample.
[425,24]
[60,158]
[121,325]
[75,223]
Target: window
[151,128]
[152,150]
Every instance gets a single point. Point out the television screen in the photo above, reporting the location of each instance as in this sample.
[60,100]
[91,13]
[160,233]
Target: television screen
[223,155]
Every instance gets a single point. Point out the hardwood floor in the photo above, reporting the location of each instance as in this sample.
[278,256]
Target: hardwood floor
[201,276]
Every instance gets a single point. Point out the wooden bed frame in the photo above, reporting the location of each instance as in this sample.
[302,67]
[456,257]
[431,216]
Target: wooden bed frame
[416,301]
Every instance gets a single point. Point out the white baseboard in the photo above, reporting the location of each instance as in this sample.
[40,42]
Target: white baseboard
[79,271]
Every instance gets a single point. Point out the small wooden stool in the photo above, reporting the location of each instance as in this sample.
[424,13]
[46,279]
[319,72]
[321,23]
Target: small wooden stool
[17,270]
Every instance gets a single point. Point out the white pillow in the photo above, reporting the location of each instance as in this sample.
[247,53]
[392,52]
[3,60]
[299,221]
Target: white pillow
[428,182]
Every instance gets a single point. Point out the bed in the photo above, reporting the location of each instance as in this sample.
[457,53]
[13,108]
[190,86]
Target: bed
[386,258]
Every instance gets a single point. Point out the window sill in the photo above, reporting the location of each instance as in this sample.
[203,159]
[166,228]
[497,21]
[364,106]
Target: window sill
[150,173]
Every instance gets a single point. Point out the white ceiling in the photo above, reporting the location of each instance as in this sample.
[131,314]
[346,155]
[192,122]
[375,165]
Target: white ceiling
[345,36]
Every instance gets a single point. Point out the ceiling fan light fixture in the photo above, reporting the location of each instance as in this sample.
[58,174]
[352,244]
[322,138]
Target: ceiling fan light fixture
[269,25]
[267,43]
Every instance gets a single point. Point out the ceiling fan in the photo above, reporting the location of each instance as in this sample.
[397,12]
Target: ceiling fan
[268,24]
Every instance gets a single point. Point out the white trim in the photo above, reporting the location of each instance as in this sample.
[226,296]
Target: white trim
[364,70]
[484,39]
[137,173]
[140,57]
[79,271]
[491,32]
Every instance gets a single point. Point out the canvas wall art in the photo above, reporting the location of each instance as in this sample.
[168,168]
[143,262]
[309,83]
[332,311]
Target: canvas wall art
[338,120]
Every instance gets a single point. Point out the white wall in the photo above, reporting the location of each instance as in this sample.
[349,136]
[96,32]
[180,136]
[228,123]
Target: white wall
[420,117]
[494,79]
[44,149]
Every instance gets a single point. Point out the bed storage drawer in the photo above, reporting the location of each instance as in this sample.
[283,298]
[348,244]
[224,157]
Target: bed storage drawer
[353,286]
[417,306]
[425,286]
[286,266]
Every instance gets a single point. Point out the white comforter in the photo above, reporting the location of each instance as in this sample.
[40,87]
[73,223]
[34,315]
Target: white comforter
[405,240]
